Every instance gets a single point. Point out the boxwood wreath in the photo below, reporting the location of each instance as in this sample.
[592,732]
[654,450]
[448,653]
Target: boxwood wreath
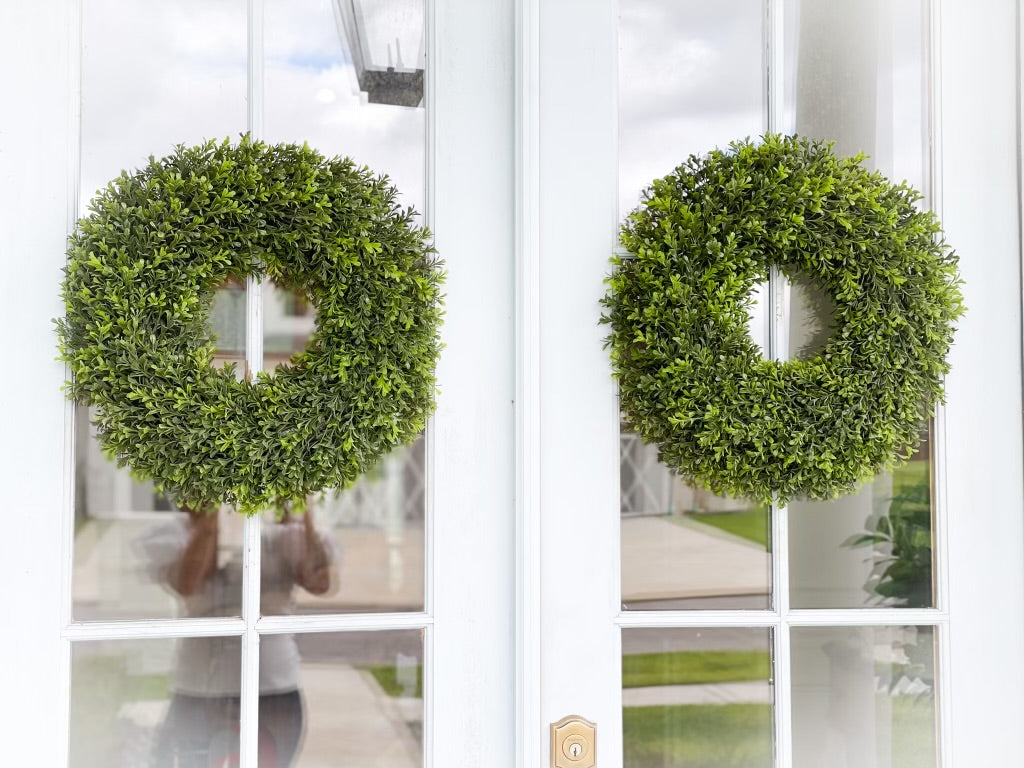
[692,381]
[139,284]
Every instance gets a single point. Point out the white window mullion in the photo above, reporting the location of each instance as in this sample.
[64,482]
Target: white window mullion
[250,689]
[430,436]
[67,544]
[342,622]
[149,630]
[940,545]
[695,618]
[778,347]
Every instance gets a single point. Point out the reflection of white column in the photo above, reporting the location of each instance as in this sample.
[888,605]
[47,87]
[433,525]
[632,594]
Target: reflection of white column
[851,700]
[834,700]
[837,73]
[837,99]
[394,517]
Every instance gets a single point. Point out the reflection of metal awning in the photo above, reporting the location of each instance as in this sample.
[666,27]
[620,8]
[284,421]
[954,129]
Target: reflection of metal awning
[385,38]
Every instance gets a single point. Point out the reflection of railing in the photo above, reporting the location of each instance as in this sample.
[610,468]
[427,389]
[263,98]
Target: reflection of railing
[391,493]
[648,487]
[644,483]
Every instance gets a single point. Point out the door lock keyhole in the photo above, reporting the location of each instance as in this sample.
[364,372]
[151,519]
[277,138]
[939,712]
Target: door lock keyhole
[572,743]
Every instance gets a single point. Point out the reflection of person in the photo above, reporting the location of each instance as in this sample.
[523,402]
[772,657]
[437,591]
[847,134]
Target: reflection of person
[201,727]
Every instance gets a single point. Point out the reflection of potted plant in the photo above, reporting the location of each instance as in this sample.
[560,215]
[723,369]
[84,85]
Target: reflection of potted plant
[902,543]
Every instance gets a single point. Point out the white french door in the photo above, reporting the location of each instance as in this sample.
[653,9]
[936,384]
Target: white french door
[540,564]
[654,597]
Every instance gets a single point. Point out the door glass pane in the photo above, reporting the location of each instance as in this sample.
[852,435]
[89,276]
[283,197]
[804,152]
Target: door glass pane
[357,700]
[864,696]
[349,79]
[691,78]
[183,82]
[860,81]
[697,697]
[155,703]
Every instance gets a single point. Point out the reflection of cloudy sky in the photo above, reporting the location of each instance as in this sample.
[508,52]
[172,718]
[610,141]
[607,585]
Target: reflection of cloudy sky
[159,74]
[312,94]
[691,78]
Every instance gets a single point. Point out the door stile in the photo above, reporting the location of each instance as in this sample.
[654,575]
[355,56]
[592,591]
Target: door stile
[980,205]
[37,41]
[579,484]
[471,150]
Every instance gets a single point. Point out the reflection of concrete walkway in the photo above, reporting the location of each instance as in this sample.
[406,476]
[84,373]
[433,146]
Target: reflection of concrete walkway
[113,580]
[351,723]
[746,692]
[663,560]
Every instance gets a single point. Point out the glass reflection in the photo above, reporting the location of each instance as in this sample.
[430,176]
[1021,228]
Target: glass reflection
[861,74]
[860,81]
[374,529]
[141,95]
[349,79]
[361,700]
[684,547]
[690,78]
[158,703]
[697,697]
[181,83]
[127,535]
[864,696]
[869,549]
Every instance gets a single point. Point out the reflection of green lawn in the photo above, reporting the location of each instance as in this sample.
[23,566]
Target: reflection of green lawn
[100,686]
[692,667]
[913,731]
[749,524]
[912,474]
[698,736]
[754,524]
[740,735]
[386,676]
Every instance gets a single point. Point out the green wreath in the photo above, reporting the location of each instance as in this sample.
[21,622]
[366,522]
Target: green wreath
[139,284]
[691,379]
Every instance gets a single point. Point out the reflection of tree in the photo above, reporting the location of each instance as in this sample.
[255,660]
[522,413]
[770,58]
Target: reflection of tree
[902,541]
